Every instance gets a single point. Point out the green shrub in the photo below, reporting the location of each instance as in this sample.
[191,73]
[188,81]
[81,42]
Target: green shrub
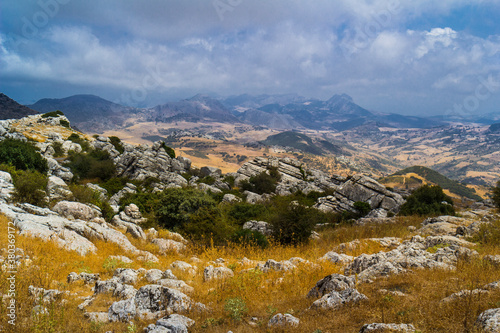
[428,200]
[64,123]
[53,114]
[117,143]
[263,182]
[22,155]
[496,194]
[243,212]
[294,223]
[177,204]
[96,164]
[169,150]
[235,308]
[363,208]
[82,142]
[58,150]
[29,187]
[114,185]
[207,226]
[209,180]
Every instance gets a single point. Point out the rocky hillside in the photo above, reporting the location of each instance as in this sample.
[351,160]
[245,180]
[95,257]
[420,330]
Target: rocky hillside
[89,113]
[87,258]
[10,109]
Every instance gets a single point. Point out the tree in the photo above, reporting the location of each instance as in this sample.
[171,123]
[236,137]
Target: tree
[176,205]
[428,200]
[496,194]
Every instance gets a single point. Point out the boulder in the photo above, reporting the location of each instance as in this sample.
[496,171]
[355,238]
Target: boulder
[489,321]
[283,320]
[334,282]
[260,226]
[335,299]
[174,323]
[124,310]
[126,275]
[208,171]
[216,273]
[6,186]
[57,188]
[76,210]
[230,198]
[129,220]
[387,328]
[166,245]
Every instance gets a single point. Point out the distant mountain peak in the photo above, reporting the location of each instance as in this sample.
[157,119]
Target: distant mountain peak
[10,109]
[338,98]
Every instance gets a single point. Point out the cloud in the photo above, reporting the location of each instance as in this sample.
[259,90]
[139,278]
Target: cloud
[363,48]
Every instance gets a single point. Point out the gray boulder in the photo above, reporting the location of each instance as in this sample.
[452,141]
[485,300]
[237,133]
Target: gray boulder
[283,320]
[387,328]
[216,273]
[6,186]
[166,245]
[334,282]
[124,310]
[260,226]
[335,299]
[174,323]
[76,210]
[129,220]
[489,321]
[57,188]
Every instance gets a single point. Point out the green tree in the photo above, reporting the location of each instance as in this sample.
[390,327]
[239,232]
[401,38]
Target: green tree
[177,204]
[262,183]
[293,223]
[428,200]
[496,194]
[22,155]
[29,187]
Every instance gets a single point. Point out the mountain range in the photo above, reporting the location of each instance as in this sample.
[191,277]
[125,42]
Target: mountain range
[282,112]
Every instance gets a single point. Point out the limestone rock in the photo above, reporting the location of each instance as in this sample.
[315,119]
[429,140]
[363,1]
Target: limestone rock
[167,245]
[283,320]
[230,198]
[489,320]
[183,267]
[335,300]
[337,258]
[76,210]
[216,273]
[260,226]
[153,275]
[175,284]
[126,275]
[334,282]
[174,323]
[124,310]
[6,186]
[208,171]
[129,220]
[57,188]
[387,328]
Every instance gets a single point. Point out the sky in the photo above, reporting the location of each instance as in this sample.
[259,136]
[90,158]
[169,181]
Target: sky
[411,57]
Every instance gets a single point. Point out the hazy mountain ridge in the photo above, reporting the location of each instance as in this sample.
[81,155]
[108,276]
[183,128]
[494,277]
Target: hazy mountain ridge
[90,113]
[10,109]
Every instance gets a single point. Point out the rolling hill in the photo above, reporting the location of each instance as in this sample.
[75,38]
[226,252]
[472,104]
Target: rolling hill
[417,176]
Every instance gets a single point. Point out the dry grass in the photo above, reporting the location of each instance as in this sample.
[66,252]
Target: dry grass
[264,294]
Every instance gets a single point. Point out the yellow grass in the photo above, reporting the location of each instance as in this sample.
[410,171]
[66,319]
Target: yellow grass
[264,294]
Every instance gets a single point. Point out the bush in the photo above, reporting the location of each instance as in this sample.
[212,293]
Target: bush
[363,208]
[53,114]
[86,195]
[263,182]
[96,164]
[64,123]
[114,185]
[235,308]
[58,150]
[293,223]
[496,194]
[428,200]
[30,187]
[207,226]
[243,212]
[22,155]
[82,142]
[169,150]
[177,204]
[117,143]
